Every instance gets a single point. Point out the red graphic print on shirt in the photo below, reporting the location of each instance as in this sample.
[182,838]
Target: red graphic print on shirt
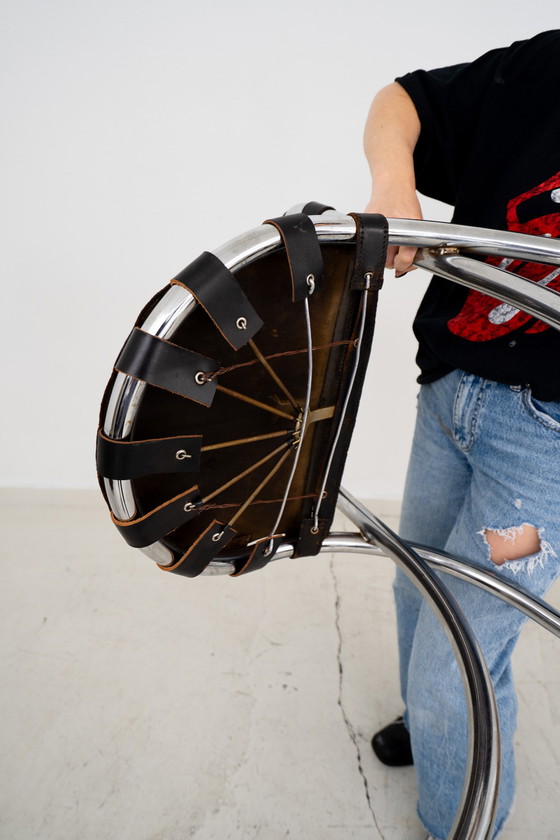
[483,317]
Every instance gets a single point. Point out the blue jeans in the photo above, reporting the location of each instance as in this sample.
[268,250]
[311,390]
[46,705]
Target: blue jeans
[485,457]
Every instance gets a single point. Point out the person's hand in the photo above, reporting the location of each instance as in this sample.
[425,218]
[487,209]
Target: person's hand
[397,203]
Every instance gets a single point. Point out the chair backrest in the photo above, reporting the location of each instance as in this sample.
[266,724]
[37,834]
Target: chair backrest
[226,422]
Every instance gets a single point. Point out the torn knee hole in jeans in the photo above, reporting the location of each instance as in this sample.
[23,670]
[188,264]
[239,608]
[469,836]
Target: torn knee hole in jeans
[520,546]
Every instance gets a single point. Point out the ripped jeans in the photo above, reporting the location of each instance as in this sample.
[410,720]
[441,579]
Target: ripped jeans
[485,458]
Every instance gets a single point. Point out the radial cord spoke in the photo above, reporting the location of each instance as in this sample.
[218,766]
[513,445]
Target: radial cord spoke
[244,398]
[272,373]
[224,444]
[263,483]
[248,471]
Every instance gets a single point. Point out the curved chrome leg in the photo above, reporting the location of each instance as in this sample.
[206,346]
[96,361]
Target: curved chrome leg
[476,813]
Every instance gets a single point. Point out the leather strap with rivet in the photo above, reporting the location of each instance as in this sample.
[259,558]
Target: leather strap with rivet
[262,552]
[372,236]
[157,523]
[126,459]
[212,540]
[303,253]
[168,366]
[219,293]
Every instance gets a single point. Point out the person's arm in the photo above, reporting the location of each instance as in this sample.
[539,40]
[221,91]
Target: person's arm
[391,132]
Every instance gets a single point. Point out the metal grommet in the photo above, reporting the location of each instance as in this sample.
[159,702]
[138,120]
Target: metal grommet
[314,529]
[217,537]
[241,323]
[181,455]
[356,342]
[310,280]
[267,551]
[188,507]
[200,378]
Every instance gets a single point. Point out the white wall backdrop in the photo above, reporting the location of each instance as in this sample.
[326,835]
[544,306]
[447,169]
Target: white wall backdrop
[138,133]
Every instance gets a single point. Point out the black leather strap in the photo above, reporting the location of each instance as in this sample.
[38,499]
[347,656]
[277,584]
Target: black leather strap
[309,543]
[124,459]
[303,252]
[315,208]
[259,557]
[201,552]
[217,290]
[168,366]
[159,522]
[371,250]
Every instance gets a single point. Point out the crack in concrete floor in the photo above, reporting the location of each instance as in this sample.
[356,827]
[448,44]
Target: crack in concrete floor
[351,731]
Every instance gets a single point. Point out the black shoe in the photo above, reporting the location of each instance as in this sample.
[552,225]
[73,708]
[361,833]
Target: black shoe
[391,745]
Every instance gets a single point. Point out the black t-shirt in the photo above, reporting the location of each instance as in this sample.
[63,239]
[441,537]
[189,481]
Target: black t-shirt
[490,146]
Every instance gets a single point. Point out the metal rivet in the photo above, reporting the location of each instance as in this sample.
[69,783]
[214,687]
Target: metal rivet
[241,323]
[188,507]
[181,455]
[310,280]
[217,537]
[200,378]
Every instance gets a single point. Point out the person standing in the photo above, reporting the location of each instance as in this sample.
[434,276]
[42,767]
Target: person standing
[483,481]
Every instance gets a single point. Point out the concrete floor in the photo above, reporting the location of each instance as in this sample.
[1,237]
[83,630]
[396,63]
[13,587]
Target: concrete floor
[141,706]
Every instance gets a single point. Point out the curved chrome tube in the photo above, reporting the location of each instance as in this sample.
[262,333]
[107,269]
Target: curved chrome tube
[521,293]
[474,240]
[475,817]
[534,608]
[333,226]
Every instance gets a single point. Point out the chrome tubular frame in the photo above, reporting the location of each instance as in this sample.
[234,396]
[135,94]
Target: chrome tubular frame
[447,250]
